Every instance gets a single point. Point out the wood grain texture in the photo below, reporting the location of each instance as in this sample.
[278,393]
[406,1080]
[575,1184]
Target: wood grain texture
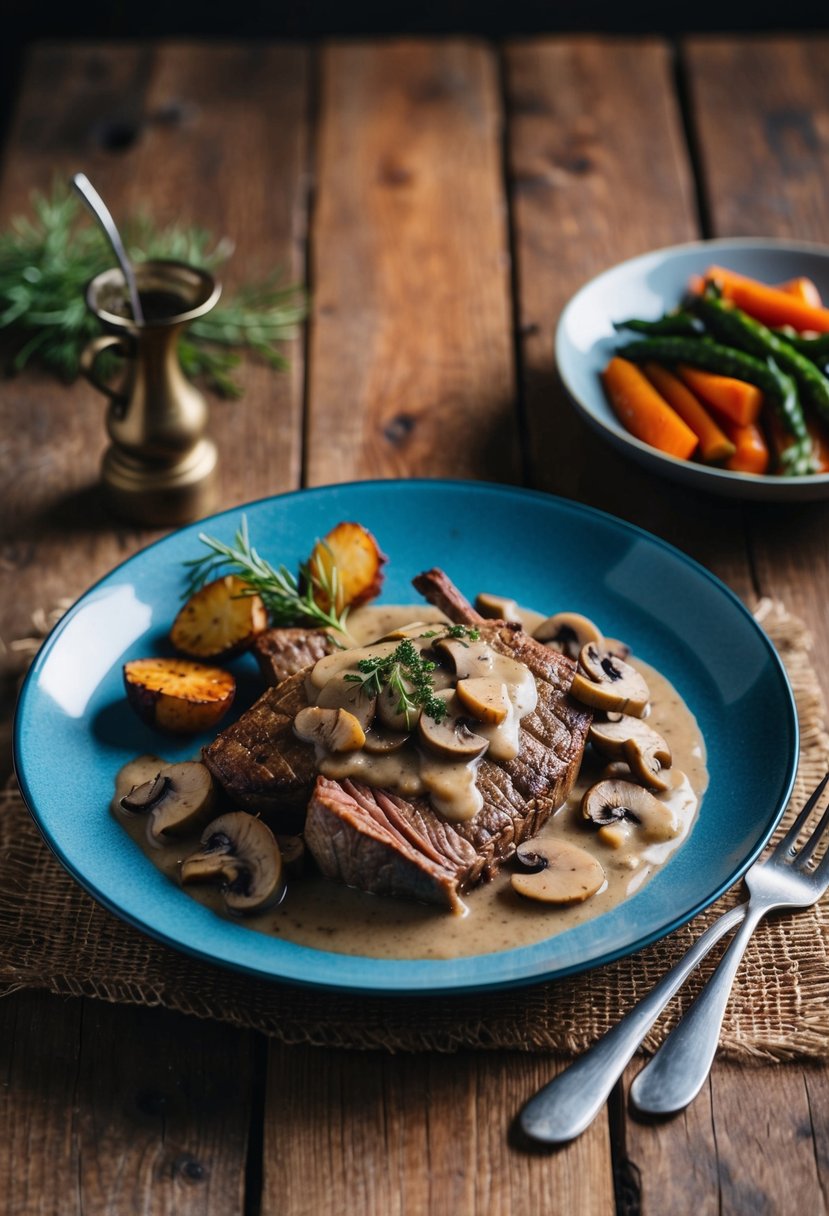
[753,1141]
[114,1109]
[108,1109]
[598,172]
[760,108]
[197,119]
[364,1134]
[411,370]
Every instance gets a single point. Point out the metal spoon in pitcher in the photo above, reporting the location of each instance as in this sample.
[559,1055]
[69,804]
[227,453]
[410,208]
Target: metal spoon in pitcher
[102,214]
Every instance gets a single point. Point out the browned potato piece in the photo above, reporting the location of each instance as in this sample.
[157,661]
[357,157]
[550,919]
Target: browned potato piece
[219,621]
[359,562]
[178,696]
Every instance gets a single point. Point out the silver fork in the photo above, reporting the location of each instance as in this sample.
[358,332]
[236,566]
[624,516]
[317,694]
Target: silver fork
[677,1072]
[568,1104]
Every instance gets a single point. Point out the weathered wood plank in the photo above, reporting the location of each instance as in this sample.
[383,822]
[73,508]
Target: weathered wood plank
[411,367]
[139,1110]
[598,172]
[123,1109]
[412,1134]
[753,1141]
[761,110]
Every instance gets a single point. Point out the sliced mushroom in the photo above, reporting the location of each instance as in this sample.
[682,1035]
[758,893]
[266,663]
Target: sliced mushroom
[395,712]
[469,659]
[485,699]
[645,751]
[294,857]
[240,853]
[416,629]
[607,682]
[611,801]
[498,607]
[452,737]
[560,873]
[179,799]
[380,742]
[568,632]
[334,730]
[341,693]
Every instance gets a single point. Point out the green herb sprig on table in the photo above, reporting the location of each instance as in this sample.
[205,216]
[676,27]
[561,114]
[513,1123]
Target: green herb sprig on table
[408,675]
[47,259]
[287,600]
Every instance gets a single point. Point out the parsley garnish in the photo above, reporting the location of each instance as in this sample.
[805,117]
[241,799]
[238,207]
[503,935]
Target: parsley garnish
[408,675]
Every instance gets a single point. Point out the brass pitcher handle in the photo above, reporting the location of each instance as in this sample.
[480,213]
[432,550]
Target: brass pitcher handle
[89,356]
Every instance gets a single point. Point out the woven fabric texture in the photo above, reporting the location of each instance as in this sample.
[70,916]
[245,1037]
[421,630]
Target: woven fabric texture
[54,936]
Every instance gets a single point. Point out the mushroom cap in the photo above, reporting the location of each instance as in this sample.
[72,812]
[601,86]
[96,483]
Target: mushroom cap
[607,682]
[485,698]
[179,799]
[240,853]
[645,751]
[614,800]
[498,608]
[452,737]
[568,632]
[562,873]
[335,730]
[342,693]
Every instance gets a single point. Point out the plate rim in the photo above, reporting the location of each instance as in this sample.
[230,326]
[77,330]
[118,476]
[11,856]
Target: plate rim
[406,979]
[754,485]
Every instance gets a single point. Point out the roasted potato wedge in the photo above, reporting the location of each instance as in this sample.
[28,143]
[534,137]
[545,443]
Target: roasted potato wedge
[178,696]
[359,562]
[219,621]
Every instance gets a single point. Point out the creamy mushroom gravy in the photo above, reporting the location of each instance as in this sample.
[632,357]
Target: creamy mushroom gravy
[329,916]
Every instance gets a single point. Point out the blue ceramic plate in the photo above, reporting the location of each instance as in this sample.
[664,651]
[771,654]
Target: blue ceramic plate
[648,286]
[74,731]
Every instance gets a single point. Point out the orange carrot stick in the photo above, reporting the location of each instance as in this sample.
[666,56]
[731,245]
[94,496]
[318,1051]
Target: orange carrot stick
[643,412]
[768,304]
[735,399]
[803,289]
[714,445]
[751,450]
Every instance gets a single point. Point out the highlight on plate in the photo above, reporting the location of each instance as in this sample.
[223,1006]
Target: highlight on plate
[735,377]
[430,779]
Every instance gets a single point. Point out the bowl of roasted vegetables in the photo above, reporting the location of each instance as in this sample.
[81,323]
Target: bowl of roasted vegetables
[709,363]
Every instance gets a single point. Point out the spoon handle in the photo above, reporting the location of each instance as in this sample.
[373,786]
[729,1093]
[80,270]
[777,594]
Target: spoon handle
[566,1106]
[102,214]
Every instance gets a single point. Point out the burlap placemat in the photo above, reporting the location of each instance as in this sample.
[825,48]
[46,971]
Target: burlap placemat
[54,936]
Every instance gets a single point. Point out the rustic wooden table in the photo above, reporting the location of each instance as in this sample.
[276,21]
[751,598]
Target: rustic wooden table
[443,200]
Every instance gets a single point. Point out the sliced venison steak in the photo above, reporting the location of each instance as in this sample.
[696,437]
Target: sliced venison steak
[382,842]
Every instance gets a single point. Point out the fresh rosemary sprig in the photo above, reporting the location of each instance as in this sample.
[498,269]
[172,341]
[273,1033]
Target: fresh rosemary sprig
[288,600]
[408,675]
[47,260]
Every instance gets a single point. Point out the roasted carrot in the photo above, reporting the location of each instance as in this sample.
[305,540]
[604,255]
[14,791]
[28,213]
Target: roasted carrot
[735,399]
[768,304]
[751,453]
[643,412]
[803,289]
[714,445]
[781,439]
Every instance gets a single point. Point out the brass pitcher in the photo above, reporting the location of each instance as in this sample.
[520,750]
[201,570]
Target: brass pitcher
[159,468]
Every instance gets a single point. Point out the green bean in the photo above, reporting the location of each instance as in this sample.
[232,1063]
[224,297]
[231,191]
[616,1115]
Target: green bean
[737,328]
[779,389]
[673,324]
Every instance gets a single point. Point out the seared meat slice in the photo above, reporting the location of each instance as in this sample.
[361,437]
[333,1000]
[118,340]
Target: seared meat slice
[374,840]
[260,762]
[382,842]
[282,652]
